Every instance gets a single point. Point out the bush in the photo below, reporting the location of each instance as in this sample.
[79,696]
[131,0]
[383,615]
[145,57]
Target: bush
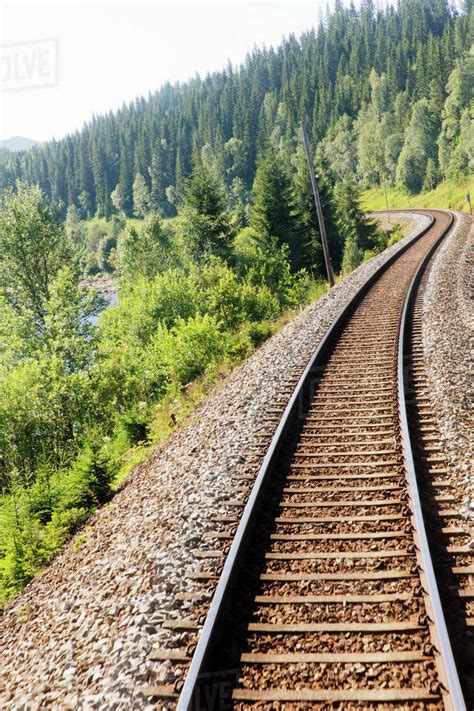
[259,332]
[135,423]
[87,483]
[38,519]
[197,344]
[30,546]
[231,300]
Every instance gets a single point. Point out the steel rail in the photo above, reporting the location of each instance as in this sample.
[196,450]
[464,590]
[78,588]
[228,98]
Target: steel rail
[453,697]
[210,630]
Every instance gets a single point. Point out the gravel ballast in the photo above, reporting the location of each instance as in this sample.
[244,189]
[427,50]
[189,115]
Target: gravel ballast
[80,636]
[448,337]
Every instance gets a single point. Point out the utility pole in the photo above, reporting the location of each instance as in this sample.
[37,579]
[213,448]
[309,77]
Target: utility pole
[386,198]
[319,210]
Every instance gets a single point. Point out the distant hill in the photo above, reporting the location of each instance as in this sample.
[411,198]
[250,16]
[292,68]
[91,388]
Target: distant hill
[384,93]
[18,143]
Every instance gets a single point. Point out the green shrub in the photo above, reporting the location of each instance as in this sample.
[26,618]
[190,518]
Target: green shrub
[62,526]
[87,482]
[135,423]
[259,332]
[197,344]
[395,237]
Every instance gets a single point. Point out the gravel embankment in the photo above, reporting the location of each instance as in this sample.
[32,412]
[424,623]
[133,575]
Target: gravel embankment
[448,338]
[80,636]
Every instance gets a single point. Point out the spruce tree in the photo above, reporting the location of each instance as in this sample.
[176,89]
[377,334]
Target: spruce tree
[307,216]
[273,211]
[204,221]
[350,218]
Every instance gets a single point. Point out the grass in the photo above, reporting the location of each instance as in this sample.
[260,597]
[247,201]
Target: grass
[448,195]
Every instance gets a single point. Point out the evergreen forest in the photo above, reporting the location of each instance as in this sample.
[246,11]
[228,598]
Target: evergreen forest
[386,94]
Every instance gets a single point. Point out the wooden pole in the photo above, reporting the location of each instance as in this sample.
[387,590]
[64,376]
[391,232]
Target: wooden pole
[386,199]
[319,210]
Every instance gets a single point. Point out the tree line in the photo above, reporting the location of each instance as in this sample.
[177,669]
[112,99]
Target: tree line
[386,95]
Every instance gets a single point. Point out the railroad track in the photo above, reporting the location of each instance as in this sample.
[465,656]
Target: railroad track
[328,595]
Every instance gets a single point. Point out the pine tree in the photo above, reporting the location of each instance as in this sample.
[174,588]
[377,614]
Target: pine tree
[350,218]
[158,180]
[204,224]
[307,217]
[352,256]
[273,214]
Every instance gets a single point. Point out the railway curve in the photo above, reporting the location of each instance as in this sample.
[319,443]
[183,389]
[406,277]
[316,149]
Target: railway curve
[328,595]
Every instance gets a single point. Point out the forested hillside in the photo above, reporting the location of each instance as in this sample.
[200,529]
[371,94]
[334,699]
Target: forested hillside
[385,92]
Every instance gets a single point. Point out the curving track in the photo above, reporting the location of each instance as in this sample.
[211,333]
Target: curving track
[328,596]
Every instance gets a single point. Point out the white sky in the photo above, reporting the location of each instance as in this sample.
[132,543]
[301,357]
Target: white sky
[110,52]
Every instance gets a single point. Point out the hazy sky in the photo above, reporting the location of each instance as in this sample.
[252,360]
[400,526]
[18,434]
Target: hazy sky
[61,62]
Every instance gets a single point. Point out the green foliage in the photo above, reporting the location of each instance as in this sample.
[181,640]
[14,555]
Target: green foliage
[418,149]
[134,423]
[456,144]
[204,226]
[141,196]
[351,222]
[76,399]
[32,249]
[38,519]
[340,149]
[264,264]
[352,255]
[87,482]
[272,215]
[145,250]
[142,336]
[46,385]
[75,230]
[431,175]
[305,210]
[196,344]
[118,199]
